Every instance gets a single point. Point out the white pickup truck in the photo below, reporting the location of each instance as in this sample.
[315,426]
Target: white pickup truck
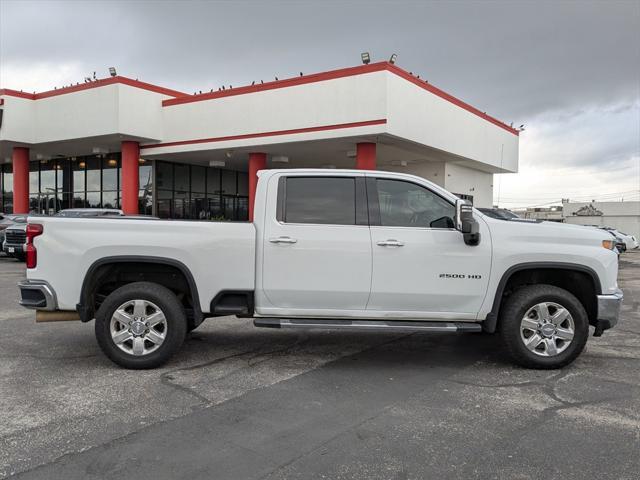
[341,249]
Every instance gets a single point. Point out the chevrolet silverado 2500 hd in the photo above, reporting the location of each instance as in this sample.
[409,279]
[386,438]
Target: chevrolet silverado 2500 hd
[328,249]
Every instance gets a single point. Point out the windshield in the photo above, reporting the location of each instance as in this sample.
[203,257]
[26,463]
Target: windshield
[499,213]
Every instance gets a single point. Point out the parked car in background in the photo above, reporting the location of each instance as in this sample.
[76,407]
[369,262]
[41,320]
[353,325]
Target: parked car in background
[90,212]
[621,246]
[13,227]
[629,240]
[499,213]
[15,237]
[6,220]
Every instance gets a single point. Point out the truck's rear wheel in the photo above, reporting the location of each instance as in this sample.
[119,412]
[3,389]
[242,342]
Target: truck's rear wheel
[543,326]
[140,325]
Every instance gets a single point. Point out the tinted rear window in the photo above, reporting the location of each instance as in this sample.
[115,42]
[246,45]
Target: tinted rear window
[324,200]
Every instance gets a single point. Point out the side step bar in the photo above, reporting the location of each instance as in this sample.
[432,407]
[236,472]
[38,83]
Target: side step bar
[379,325]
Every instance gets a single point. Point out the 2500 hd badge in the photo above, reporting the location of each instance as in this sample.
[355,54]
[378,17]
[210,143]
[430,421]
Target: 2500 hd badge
[460,275]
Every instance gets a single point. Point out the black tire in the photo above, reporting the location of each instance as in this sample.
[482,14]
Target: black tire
[21,257]
[166,301]
[518,304]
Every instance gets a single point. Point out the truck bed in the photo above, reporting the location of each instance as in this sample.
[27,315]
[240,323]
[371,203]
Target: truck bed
[219,255]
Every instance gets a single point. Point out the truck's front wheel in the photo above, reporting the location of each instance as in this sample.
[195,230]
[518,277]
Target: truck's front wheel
[140,325]
[543,326]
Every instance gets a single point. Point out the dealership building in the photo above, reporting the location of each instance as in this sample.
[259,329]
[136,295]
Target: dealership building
[123,143]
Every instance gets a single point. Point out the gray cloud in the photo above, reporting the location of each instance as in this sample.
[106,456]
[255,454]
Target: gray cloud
[515,59]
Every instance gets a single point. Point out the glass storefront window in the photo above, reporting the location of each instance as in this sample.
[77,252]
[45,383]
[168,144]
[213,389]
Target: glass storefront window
[242,209]
[109,174]
[164,176]
[78,167]
[92,166]
[79,200]
[93,200]
[213,181]
[7,188]
[179,190]
[229,207]
[34,203]
[201,193]
[198,178]
[145,202]
[6,196]
[243,184]
[229,182]
[145,176]
[110,199]
[181,178]
[34,177]
[163,208]
[47,177]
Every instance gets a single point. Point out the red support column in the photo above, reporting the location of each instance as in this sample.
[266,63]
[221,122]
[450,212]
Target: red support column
[20,159]
[257,161]
[130,181]
[366,156]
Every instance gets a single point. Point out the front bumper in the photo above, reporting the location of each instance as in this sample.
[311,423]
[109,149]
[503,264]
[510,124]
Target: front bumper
[11,248]
[37,294]
[608,311]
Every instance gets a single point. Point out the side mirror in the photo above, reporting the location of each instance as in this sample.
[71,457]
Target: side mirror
[466,223]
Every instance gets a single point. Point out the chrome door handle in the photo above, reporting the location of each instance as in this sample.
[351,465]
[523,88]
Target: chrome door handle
[390,243]
[283,240]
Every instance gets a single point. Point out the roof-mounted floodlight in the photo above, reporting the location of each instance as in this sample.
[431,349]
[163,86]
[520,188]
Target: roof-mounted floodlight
[365,58]
[393,58]
[112,71]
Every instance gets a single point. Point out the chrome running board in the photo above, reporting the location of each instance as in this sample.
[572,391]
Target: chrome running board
[379,325]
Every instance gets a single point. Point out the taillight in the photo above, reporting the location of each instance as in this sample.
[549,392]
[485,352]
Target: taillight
[33,230]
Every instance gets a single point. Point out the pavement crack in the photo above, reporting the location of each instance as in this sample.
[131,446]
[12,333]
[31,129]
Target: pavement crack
[42,357]
[527,383]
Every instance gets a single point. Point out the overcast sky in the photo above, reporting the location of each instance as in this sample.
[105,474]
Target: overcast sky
[569,71]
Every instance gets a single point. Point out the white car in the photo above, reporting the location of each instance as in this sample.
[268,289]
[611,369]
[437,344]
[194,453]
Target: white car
[341,249]
[629,240]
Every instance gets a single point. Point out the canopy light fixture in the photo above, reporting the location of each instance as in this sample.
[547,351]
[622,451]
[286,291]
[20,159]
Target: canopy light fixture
[399,163]
[229,153]
[141,161]
[112,71]
[351,154]
[280,159]
[216,163]
[99,150]
[365,58]
[329,166]
[393,58]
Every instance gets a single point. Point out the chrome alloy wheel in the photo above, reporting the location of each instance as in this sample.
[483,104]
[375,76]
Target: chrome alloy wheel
[547,329]
[138,327]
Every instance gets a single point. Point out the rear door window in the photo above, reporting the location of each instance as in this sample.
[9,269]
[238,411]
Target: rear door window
[320,200]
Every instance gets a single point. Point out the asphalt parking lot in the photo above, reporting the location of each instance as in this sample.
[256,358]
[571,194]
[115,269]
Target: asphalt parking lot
[240,402]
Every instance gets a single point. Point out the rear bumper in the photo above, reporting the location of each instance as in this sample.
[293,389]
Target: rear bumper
[608,311]
[37,294]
